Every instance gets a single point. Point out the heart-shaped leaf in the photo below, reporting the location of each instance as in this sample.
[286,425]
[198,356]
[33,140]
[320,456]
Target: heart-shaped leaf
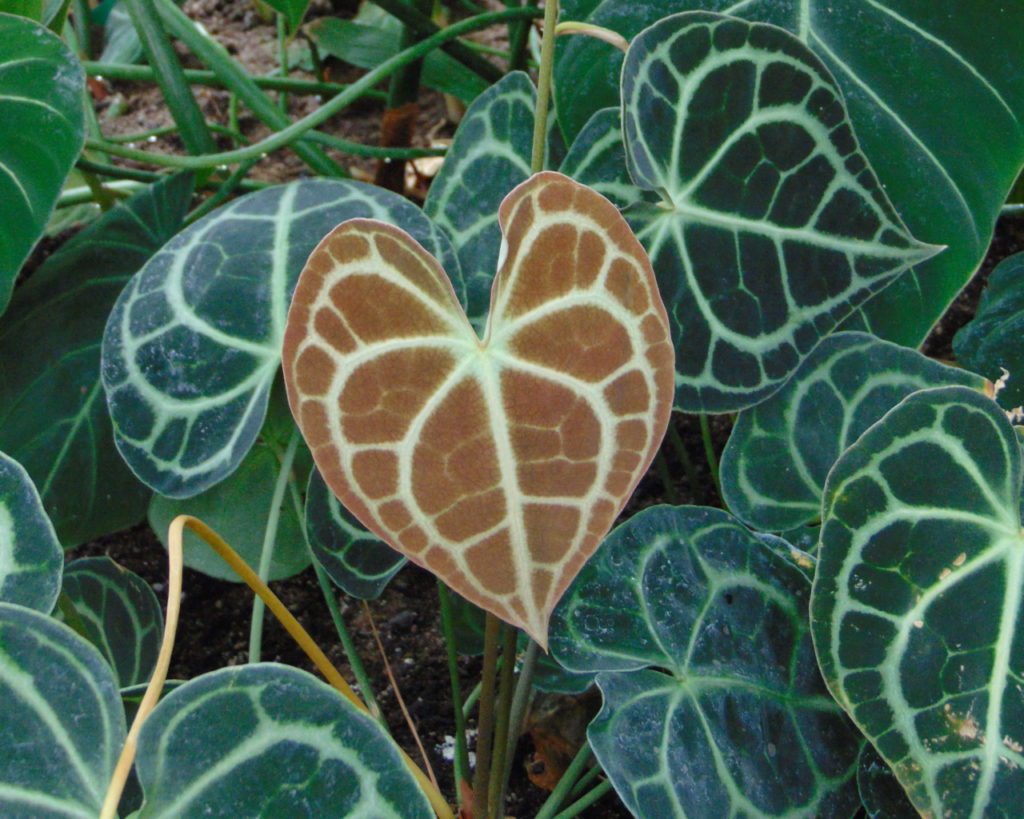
[43,121]
[30,556]
[497,464]
[62,724]
[773,227]
[774,466]
[193,344]
[935,92]
[918,604]
[991,342]
[269,740]
[713,703]
[120,615]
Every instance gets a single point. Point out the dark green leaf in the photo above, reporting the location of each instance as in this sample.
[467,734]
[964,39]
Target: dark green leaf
[991,342]
[772,227]
[269,740]
[489,156]
[713,700]
[918,603]
[935,93]
[41,89]
[774,466]
[61,720]
[30,556]
[121,615]
[355,560]
[597,158]
[52,414]
[193,344]
[880,791]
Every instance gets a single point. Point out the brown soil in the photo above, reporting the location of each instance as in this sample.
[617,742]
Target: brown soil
[215,614]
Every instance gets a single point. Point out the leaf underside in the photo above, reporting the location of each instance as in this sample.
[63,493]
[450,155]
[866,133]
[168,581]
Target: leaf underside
[497,464]
[917,609]
[772,226]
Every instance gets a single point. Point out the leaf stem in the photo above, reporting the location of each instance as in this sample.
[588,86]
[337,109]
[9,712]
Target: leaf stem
[584,802]
[143,73]
[485,719]
[547,55]
[565,784]
[462,773]
[524,689]
[495,788]
[269,540]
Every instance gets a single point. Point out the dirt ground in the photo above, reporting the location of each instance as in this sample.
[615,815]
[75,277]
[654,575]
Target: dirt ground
[215,615]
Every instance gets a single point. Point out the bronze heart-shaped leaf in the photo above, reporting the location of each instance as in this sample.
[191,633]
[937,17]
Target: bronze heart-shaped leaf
[499,464]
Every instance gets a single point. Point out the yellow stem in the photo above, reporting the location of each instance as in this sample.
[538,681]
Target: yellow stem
[291,625]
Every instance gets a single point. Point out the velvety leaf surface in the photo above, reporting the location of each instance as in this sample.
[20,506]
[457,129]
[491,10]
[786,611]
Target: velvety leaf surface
[357,561]
[120,614]
[30,556]
[62,724]
[53,417]
[269,740]
[488,157]
[772,227]
[934,92]
[992,341]
[917,605]
[713,703]
[41,87]
[498,464]
[193,344]
[775,463]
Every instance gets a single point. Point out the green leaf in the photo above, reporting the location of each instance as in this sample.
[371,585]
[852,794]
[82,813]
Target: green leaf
[41,90]
[367,46]
[880,791]
[121,43]
[30,556]
[772,227]
[774,466]
[713,704]
[917,604]
[357,561]
[52,414]
[269,740]
[194,342]
[293,10]
[597,158]
[991,342]
[62,724]
[489,156]
[934,91]
[237,509]
[32,9]
[120,613]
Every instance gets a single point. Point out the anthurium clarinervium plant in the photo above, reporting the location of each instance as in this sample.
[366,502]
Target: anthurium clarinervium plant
[758,209]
